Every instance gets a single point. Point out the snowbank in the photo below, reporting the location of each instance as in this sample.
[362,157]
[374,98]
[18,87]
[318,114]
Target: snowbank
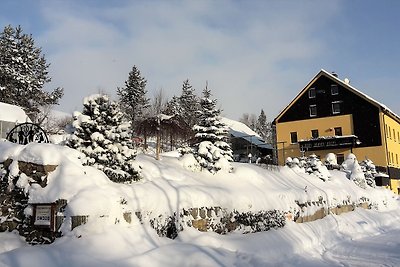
[167,187]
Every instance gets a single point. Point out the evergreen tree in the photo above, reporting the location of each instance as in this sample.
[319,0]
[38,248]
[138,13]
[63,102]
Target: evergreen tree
[211,149]
[264,128]
[132,97]
[189,103]
[173,107]
[103,135]
[23,72]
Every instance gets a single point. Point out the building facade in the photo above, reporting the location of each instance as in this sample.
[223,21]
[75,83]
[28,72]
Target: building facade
[331,116]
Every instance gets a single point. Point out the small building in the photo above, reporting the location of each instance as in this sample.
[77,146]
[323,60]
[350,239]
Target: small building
[10,115]
[245,142]
[330,115]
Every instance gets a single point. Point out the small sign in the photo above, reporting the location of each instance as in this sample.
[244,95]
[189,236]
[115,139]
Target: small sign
[43,215]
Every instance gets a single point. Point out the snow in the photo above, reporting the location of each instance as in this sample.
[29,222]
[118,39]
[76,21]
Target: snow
[169,186]
[12,113]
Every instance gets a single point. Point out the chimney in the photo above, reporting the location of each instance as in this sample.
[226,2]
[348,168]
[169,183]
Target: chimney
[334,74]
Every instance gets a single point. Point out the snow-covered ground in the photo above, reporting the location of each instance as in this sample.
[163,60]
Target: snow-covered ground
[359,238]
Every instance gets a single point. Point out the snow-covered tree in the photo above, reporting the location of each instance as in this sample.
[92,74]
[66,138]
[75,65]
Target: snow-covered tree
[173,107]
[211,149]
[264,128]
[189,103]
[369,170]
[24,72]
[132,97]
[357,175]
[103,135]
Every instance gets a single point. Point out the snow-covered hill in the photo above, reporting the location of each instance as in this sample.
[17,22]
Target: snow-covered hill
[168,186]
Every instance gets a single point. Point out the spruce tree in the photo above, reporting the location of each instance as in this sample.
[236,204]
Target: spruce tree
[211,148]
[132,97]
[103,135]
[173,107]
[24,72]
[264,128]
[189,103]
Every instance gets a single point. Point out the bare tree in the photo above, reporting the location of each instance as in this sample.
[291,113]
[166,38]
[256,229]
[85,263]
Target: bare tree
[250,120]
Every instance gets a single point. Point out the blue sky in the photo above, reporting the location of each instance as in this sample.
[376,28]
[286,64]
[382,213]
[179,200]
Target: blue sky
[254,54]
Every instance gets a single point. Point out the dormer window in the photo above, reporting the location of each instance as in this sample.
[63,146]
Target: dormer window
[334,89]
[311,93]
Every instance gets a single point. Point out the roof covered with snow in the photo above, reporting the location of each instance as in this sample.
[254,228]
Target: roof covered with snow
[241,130]
[12,113]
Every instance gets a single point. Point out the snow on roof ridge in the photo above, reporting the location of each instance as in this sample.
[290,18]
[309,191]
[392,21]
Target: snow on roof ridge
[384,107]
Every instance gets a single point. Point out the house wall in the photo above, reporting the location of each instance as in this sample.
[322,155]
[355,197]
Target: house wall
[391,134]
[324,126]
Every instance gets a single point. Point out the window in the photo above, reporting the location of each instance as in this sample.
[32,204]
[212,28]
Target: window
[392,158]
[336,107]
[293,137]
[386,131]
[398,137]
[338,131]
[389,157]
[334,89]
[394,135]
[311,93]
[390,133]
[340,158]
[314,133]
[397,159]
[313,110]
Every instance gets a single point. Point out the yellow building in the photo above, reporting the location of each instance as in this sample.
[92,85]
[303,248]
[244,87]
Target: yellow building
[330,115]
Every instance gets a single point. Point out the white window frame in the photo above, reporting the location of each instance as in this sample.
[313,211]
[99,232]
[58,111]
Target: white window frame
[313,106]
[333,110]
[312,90]
[337,89]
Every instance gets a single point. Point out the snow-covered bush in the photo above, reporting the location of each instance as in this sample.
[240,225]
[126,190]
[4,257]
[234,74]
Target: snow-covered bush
[369,170]
[357,175]
[331,161]
[311,165]
[102,134]
[354,170]
[261,221]
[347,165]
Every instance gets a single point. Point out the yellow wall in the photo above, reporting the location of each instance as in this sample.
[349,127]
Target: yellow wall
[325,128]
[395,186]
[391,137]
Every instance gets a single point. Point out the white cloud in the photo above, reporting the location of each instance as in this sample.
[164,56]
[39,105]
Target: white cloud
[244,49]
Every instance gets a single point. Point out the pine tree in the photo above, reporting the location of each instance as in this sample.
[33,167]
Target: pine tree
[264,128]
[23,72]
[211,149]
[173,107]
[132,97]
[103,135]
[189,103]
